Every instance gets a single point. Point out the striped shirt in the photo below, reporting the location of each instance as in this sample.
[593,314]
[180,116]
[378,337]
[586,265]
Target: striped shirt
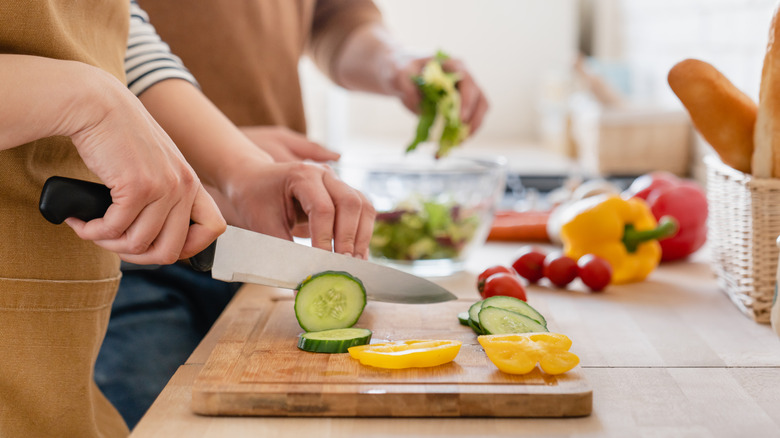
[148,59]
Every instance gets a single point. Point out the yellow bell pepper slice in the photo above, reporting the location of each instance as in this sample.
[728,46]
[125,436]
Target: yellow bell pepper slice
[414,353]
[519,353]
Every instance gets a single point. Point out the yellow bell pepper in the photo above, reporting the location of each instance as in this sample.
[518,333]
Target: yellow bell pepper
[519,353]
[406,354]
[622,231]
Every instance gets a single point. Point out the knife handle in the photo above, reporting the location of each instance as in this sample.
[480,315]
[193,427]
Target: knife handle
[62,198]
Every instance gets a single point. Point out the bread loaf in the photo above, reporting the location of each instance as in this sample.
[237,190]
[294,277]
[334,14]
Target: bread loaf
[723,115]
[766,157]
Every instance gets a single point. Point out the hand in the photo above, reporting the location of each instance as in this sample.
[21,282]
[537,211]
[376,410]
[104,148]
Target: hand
[284,144]
[474,104]
[272,198]
[154,191]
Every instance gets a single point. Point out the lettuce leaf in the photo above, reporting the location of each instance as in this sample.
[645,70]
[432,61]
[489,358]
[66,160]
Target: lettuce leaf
[440,100]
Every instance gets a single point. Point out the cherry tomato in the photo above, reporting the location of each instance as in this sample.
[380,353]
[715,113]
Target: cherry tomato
[595,272]
[560,269]
[530,264]
[488,272]
[504,284]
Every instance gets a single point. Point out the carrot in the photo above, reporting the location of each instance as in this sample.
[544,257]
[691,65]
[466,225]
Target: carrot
[520,226]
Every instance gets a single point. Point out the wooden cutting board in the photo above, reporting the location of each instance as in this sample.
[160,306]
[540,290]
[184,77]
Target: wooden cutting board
[257,369]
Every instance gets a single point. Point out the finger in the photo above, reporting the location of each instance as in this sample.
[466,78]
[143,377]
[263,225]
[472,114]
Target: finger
[207,225]
[365,230]
[279,153]
[469,99]
[410,94]
[479,115]
[136,238]
[114,223]
[349,204]
[315,202]
[470,92]
[304,149]
[167,245]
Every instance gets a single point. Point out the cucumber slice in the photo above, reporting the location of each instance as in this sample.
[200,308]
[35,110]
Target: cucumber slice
[515,305]
[474,317]
[329,300]
[334,340]
[463,318]
[497,321]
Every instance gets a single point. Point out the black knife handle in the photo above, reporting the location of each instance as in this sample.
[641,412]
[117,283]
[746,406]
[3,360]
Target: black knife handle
[62,198]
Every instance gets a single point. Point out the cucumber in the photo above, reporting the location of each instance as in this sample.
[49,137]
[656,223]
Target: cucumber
[329,300]
[334,340]
[497,321]
[474,317]
[515,305]
[463,318]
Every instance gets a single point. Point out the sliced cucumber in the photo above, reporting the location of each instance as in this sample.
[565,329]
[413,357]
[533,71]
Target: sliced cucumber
[474,317]
[329,300]
[497,321]
[463,318]
[515,305]
[334,340]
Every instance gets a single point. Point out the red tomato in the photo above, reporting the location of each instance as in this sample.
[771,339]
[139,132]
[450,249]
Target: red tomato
[490,271]
[595,272]
[504,284]
[560,269]
[530,264]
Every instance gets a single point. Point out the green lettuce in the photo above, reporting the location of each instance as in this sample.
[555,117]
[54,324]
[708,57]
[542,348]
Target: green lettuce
[440,97]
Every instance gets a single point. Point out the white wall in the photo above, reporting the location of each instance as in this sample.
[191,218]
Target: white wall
[510,46]
[519,50]
[729,34]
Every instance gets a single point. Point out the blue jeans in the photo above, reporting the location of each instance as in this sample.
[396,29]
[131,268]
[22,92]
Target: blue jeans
[158,318]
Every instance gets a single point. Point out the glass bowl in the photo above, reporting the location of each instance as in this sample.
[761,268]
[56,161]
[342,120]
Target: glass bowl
[430,213]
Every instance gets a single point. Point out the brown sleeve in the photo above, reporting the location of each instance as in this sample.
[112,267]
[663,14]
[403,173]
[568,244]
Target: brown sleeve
[333,22]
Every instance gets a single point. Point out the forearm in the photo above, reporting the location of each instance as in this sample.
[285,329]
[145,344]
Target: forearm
[44,97]
[213,146]
[370,60]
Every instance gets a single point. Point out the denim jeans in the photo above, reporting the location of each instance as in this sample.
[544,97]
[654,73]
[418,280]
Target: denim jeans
[158,318]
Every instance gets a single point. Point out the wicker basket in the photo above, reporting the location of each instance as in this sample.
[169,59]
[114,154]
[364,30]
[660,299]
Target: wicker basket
[743,224]
[632,142]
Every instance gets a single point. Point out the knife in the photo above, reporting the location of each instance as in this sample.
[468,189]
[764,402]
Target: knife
[247,256]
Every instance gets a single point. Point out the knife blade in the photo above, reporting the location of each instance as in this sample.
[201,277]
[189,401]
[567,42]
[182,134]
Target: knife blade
[247,256]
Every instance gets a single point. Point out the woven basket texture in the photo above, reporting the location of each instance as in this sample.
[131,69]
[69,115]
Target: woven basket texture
[743,225]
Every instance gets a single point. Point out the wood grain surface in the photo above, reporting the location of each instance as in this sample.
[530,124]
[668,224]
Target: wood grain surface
[667,357]
[257,369]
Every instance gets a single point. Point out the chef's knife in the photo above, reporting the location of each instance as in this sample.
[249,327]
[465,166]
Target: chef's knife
[246,256]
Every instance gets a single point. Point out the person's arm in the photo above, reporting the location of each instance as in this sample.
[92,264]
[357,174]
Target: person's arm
[351,44]
[257,194]
[270,197]
[371,60]
[149,60]
[154,191]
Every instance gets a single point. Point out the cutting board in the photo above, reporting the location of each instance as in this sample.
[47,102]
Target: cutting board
[257,369]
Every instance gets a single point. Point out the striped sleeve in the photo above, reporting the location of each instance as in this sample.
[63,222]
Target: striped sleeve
[148,59]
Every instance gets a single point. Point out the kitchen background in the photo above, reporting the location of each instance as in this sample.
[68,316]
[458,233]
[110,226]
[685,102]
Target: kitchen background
[543,116]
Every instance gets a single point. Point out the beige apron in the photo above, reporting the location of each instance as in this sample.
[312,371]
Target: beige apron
[55,289]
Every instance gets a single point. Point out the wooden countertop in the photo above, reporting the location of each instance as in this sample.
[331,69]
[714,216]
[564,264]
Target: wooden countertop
[671,356]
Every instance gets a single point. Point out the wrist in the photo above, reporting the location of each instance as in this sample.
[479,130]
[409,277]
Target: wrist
[87,106]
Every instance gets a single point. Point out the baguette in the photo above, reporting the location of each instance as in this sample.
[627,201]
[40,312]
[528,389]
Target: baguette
[767,131]
[723,115]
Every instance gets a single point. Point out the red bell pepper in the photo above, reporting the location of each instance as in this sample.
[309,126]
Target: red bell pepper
[668,195]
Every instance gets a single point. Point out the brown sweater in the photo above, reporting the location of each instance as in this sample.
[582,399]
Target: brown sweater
[245,53]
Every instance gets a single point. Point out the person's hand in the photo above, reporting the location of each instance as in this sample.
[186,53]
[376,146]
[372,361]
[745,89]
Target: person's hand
[154,191]
[274,198]
[474,104]
[284,144]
